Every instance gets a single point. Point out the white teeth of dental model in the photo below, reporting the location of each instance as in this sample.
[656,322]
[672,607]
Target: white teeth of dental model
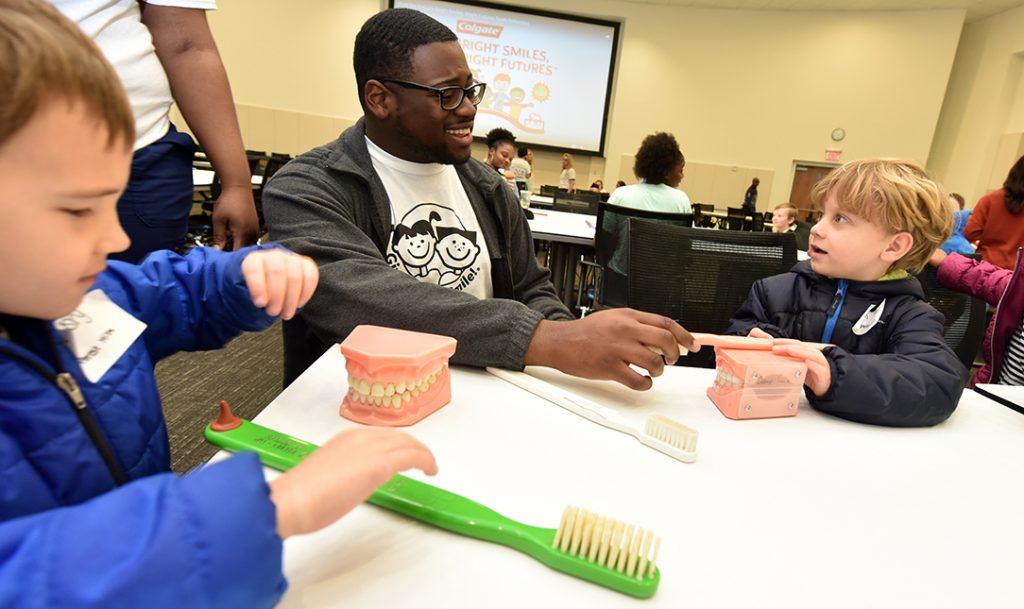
[390,395]
[727,380]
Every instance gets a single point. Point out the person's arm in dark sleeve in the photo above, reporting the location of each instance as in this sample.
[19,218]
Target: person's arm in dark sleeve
[916,383]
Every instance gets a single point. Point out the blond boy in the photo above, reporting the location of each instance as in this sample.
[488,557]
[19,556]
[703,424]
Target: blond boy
[887,362]
[784,218]
[90,515]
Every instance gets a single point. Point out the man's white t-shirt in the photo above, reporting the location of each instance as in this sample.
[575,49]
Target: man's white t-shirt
[435,236]
[117,29]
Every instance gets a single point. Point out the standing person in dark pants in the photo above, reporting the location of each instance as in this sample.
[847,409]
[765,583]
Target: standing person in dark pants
[163,52]
[750,198]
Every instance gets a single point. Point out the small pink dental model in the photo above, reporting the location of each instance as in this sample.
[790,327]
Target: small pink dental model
[395,377]
[753,382]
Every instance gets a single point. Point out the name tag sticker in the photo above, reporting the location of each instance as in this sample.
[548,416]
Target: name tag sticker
[98,333]
[869,319]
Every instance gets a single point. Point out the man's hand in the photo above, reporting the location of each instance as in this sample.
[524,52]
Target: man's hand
[602,346]
[280,281]
[234,215]
[341,474]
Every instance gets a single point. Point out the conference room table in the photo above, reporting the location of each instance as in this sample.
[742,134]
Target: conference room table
[203,178]
[808,511]
[568,233]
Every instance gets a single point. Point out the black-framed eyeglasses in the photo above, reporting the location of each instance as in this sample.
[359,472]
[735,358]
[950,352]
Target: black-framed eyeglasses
[450,98]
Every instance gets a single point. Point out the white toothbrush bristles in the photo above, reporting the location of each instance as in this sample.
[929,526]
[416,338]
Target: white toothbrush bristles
[673,433]
[629,550]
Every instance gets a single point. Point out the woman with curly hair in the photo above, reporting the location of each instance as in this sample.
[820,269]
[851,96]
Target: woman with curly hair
[997,224]
[501,150]
[659,165]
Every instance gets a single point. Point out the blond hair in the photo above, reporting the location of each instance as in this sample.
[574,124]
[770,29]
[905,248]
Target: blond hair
[789,207]
[43,57]
[897,196]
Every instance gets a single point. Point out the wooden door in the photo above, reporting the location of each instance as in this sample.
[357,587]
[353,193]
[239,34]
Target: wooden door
[805,176]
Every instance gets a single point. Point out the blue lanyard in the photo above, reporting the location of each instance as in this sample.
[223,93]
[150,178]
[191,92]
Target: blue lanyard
[833,311]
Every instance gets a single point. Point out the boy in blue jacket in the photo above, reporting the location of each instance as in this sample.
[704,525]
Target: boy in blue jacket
[887,362]
[90,515]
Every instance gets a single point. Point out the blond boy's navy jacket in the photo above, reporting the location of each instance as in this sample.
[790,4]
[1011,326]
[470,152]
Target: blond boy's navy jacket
[69,535]
[896,371]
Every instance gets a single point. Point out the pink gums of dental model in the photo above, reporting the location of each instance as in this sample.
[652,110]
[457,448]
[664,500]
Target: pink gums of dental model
[395,377]
[753,382]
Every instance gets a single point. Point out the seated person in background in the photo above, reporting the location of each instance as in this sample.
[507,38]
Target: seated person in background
[567,178]
[886,362]
[91,515]
[597,186]
[620,183]
[1003,348]
[522,165]
[500,150]
[957,242]
[659,165]
[997,224]
[410,232]
[784,218]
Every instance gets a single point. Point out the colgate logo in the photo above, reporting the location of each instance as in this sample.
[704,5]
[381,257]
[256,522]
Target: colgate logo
[479,29]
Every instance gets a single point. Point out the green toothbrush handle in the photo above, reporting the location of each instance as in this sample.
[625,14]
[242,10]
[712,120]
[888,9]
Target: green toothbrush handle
[438,507]
[455,513]
[400,494]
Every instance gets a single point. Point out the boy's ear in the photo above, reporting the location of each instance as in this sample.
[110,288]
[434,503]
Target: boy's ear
[898,246]
[379,100]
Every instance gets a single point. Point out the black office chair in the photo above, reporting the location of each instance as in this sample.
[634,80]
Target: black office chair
[757,222]
[803,235]
[701,215]
[548,190]
[612,236]
[579,202]
[700,277]
[965,317]
[735,218]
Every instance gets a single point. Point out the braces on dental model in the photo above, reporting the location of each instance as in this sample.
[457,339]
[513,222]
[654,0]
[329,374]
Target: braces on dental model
[395,377]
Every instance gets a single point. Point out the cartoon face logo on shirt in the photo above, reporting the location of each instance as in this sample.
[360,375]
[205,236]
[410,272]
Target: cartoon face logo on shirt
[415,244]
[457,248]
[431,244]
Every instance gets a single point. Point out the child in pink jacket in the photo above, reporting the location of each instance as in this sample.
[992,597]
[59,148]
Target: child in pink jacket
[1003,348]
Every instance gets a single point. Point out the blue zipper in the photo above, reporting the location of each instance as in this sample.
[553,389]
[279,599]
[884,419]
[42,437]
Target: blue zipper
[833,311]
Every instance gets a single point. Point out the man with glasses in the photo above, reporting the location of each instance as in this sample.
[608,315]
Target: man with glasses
[410,232]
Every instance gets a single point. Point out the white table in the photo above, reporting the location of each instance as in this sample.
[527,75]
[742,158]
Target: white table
[1012,396]
[566,232]
[203,178]
[810,511]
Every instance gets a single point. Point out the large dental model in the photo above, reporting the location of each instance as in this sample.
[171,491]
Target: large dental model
[753,382]
[395,377]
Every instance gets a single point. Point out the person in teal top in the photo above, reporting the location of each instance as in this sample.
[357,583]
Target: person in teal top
[659,166]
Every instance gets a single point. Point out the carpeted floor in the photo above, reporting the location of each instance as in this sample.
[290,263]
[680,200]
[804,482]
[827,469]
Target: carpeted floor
[247,373]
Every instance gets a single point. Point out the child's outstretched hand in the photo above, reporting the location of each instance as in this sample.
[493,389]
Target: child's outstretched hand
[279,281]
[819,374]
[341,474]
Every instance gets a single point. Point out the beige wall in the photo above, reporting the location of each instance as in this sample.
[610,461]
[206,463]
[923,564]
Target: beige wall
[979,133]
[745,92]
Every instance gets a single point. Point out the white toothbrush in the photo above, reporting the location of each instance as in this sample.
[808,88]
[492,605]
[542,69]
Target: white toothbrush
[660,432]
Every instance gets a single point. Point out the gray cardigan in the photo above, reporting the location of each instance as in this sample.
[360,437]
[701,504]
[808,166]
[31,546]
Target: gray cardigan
[329,204]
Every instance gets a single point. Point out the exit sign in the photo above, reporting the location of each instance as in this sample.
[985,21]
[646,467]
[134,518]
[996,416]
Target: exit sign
[833,154]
